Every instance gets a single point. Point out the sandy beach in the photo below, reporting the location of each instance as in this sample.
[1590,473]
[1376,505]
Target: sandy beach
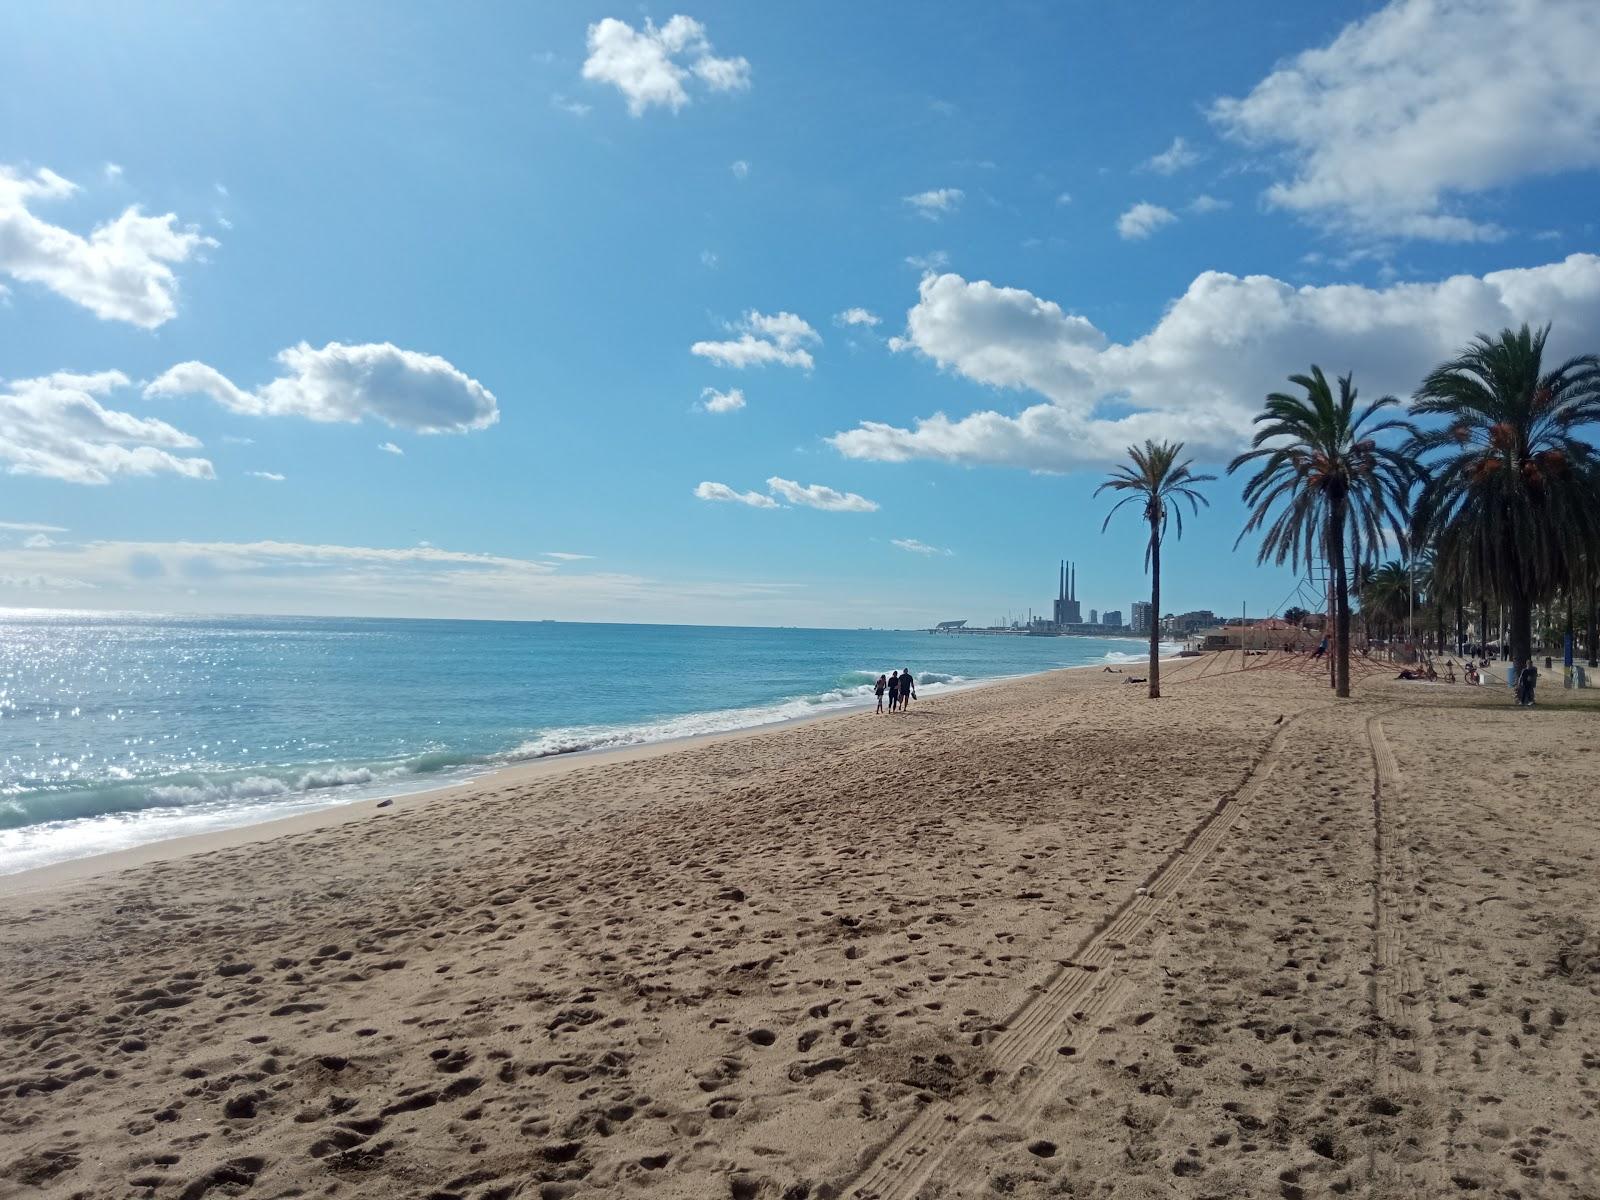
[1041,939]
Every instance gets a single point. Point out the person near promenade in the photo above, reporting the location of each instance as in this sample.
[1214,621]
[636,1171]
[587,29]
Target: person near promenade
[879,688]
[894,691]
[1526,682]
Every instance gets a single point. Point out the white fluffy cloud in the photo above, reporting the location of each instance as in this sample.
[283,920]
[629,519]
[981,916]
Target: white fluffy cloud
[401,388]
[1424,103]
[1142,220]
[936,203]
[1208,204]
[120,272]
[722,493]
[856,316]
[763,339]
[714,401]
[740,169]
[56,427]
[651,66]
[1200,373]
[270,476]
[913,546]
[390,448]
[1173,159]
[816,495]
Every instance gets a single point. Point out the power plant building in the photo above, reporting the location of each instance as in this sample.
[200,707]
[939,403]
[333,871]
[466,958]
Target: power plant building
[1067,610]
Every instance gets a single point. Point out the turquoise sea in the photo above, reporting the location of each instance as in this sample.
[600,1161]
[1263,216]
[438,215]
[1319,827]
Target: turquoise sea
[120,729]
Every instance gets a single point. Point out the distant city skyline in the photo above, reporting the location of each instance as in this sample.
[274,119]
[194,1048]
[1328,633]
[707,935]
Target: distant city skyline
[560,312]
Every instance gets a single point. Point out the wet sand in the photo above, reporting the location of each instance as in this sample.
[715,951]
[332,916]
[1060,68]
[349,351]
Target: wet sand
[1045,939]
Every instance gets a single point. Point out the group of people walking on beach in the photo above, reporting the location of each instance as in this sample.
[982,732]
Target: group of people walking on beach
[900,688]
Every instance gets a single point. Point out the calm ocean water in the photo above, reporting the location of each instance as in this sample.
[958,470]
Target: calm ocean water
[119,729]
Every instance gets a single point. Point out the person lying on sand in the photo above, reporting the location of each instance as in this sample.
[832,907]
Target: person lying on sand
[1135,679]
[1408,673]
[1117,671]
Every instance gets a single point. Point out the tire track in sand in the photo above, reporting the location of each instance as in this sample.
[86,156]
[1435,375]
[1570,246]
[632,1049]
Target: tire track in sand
[1043,1037]
[1402,1055]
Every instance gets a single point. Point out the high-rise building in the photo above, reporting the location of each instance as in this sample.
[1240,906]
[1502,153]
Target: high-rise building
[1112,617]
[1094,616]
[1067,611]
[1141,616]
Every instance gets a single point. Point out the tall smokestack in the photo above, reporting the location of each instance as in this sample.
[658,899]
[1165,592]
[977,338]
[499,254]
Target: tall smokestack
[1072,582]
[1061,592]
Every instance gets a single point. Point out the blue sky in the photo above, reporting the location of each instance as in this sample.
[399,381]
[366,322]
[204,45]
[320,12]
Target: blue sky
[524,247]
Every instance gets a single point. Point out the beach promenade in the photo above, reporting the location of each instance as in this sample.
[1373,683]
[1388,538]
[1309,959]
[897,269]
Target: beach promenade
[1046,938]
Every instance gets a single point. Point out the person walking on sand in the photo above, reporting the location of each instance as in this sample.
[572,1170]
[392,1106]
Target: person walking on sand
[894,691]
[908,691]
[879,688]
[1526,682]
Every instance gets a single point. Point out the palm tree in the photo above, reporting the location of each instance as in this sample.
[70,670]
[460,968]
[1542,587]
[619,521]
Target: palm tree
[1513,485]
[1387,596]
[1159,483]
[1340,491]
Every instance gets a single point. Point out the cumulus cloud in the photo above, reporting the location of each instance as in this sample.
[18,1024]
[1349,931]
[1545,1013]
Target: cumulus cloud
[1143,219]
[272,476]
[740,169]
[1200,373]
[1176,157]
[31,527]
[934,260]
[722,493]
[38,541]
[779,338]
[652,66]
[120,272]
[1411,110]
[1208,204]
[913,546]
[390,448]
[339,383]
[56,427]
[856,316]
[816,495]
[936,203]
[713,401]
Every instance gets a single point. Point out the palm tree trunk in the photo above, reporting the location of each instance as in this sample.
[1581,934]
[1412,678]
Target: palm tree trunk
[1521,610]
[1341,599]
[1461,624]
[1155,609]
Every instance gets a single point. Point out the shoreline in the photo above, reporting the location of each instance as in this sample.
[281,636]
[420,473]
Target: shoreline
[53,876]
